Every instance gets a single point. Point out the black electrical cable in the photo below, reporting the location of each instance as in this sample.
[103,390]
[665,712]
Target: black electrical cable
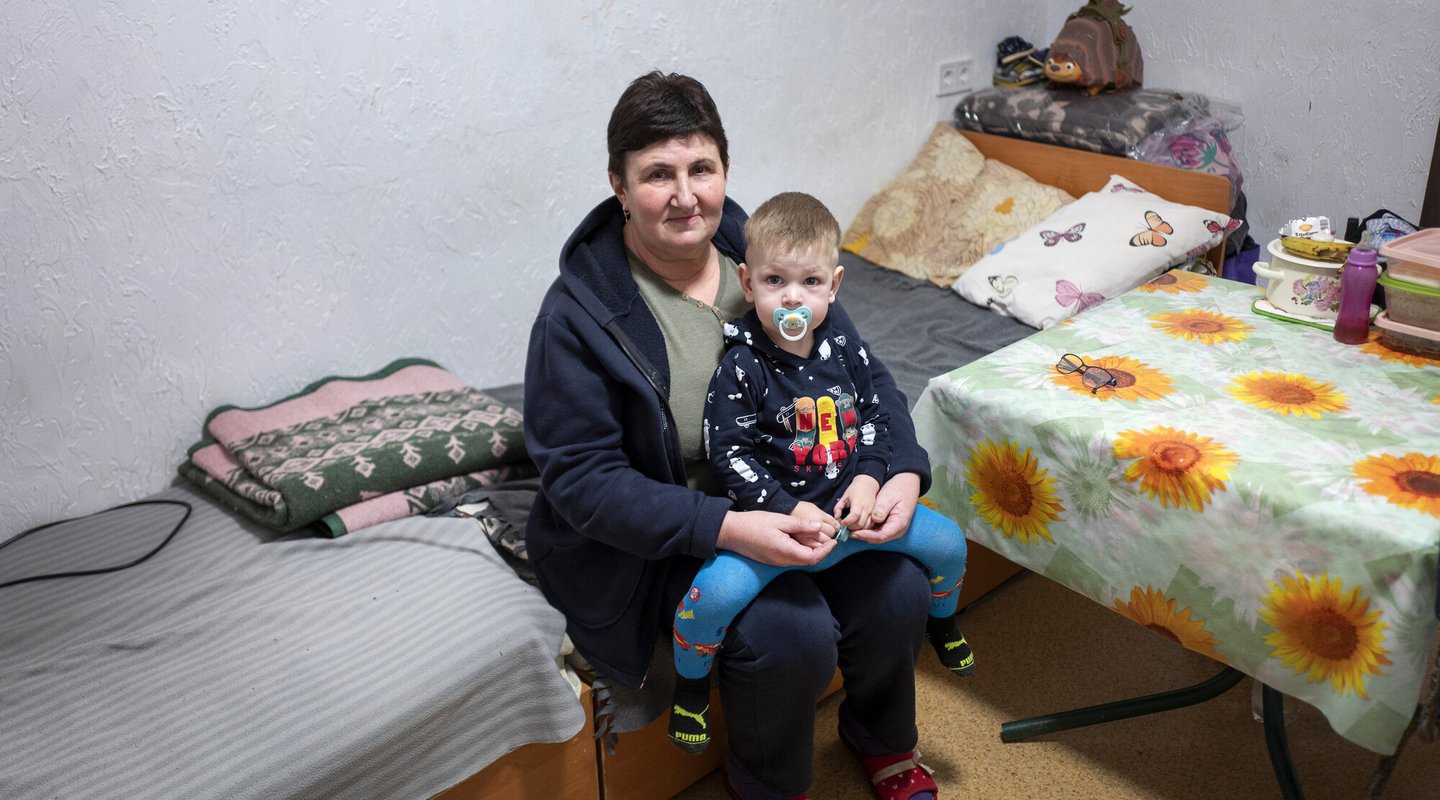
[78,573]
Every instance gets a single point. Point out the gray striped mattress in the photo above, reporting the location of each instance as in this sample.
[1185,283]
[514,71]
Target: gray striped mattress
[240,663]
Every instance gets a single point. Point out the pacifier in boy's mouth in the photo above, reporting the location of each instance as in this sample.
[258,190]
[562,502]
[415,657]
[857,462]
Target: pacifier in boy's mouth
[793,322]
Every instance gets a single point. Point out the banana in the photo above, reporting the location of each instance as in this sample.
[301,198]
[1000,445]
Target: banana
[1321,251]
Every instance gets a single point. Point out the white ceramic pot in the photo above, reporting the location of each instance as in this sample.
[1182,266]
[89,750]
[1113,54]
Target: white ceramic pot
[1300,285]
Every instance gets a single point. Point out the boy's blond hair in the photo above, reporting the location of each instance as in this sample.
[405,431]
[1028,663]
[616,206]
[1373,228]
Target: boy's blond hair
[793,221]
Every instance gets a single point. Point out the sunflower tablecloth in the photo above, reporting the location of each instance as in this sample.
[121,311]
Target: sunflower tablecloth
[1259,492]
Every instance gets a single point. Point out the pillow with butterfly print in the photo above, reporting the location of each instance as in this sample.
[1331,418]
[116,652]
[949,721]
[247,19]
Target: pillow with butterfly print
[1100,246]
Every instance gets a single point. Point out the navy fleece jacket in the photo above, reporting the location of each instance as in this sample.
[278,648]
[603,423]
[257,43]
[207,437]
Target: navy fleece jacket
[614,516]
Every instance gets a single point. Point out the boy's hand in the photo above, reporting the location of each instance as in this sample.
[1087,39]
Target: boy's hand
[809,511]
[894,508]
[856,505]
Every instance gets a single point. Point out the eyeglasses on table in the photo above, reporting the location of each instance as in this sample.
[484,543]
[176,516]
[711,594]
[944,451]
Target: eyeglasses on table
[1091,376]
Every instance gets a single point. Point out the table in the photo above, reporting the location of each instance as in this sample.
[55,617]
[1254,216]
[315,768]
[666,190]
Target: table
[1248,487]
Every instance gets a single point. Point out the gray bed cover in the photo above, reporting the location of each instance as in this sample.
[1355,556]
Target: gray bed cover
[240,663]
[917,329]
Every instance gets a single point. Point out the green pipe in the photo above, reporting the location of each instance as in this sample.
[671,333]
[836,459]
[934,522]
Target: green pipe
[1022,729]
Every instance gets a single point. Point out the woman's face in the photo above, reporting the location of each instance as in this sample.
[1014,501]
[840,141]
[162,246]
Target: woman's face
[674,191]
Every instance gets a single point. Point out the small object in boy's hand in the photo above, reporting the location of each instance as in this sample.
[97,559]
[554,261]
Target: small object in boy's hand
[842,534]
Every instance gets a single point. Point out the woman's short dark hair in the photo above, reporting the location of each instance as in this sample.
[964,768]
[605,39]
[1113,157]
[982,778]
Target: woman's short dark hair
[656,107]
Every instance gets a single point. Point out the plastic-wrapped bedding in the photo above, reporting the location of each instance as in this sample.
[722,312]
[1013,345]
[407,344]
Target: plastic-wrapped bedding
[1114,123]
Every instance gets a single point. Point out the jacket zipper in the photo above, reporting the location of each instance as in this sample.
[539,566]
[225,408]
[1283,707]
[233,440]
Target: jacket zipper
[667,419]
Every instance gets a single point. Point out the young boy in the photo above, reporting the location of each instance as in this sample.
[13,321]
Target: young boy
[793,424]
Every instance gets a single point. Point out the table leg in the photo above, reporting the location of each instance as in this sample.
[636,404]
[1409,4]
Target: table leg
[1022,729]
[1272,703]
[1273,707]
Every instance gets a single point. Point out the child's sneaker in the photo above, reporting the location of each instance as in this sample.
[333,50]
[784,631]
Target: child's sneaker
[1017,63]
[689,712]
[950,645]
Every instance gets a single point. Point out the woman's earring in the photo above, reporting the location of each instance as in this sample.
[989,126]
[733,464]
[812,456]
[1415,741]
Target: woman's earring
[627,213]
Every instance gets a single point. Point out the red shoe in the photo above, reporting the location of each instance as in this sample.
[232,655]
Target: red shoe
[895,776]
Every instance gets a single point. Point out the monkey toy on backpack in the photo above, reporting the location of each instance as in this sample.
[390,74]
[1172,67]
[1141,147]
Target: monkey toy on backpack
[1096,50]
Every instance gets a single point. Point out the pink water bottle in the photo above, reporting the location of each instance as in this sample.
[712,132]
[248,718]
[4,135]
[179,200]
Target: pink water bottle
[1357,289]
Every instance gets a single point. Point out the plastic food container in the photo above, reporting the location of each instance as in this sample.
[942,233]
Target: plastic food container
[1411,303]
[1408,338]
[1414,258]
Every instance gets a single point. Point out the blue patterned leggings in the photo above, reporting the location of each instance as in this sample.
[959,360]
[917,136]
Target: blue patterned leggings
[727,583]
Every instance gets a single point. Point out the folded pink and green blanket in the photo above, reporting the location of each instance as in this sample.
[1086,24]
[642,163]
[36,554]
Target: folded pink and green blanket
[353,452]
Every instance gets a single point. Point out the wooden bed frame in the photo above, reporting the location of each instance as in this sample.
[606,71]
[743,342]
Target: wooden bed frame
[645,765]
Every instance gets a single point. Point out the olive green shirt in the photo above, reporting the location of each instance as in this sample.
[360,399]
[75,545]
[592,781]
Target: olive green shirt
[694,344]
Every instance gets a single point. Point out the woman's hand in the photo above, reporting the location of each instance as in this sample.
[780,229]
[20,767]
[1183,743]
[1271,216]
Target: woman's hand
[806,510]
[778,539]
[894,506]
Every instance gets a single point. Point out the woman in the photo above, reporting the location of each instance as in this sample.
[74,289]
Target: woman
[619,362]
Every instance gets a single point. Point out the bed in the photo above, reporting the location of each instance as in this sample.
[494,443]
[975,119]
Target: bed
[404,660]
[244,662]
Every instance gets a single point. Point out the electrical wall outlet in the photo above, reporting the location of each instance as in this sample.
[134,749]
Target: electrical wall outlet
[954,76]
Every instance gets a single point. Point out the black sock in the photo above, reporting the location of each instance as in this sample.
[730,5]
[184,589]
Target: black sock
[950,645]
[689,714]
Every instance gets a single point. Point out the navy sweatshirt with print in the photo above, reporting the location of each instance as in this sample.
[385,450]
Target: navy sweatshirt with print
[781,429]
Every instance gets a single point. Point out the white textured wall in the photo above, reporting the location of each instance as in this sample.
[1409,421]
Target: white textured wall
[219,202]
